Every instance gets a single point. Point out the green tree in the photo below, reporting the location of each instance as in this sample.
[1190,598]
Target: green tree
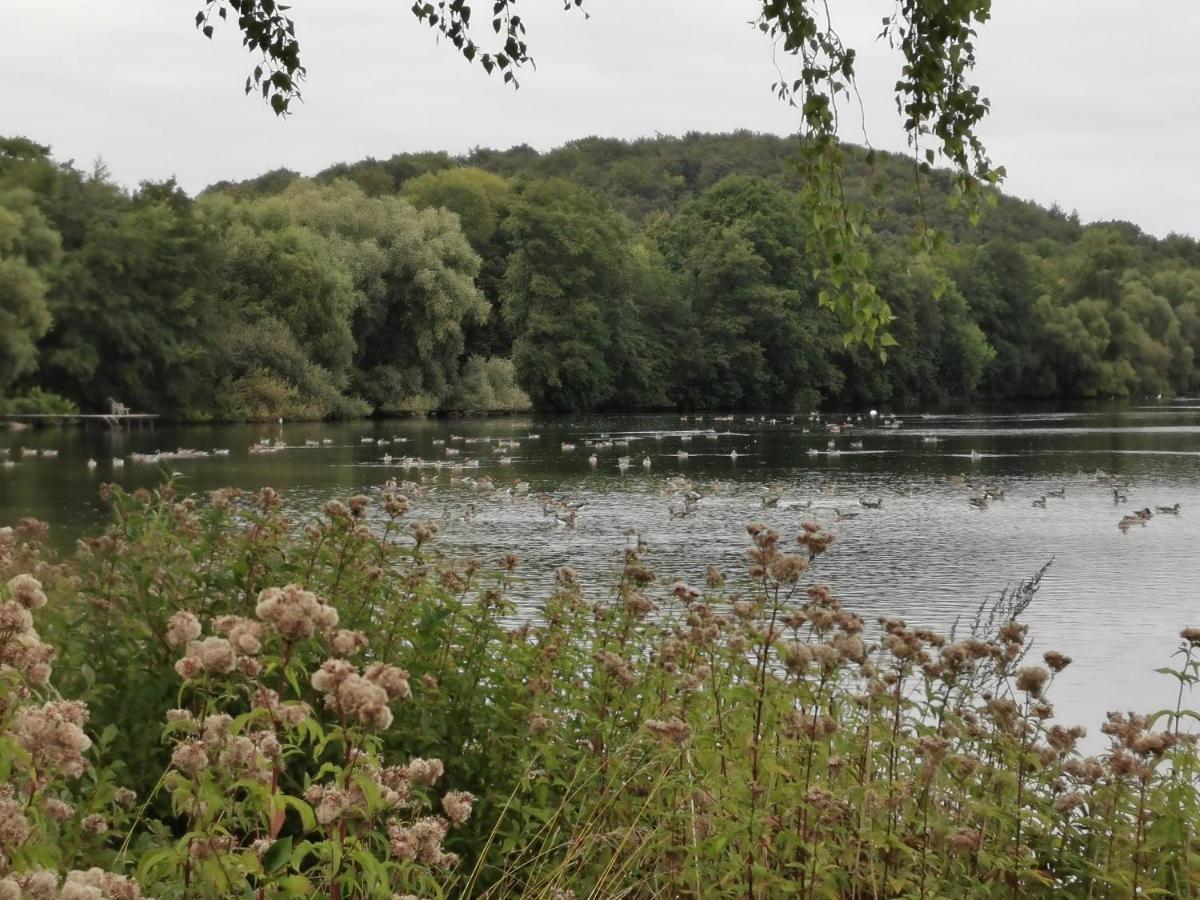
[131,299]
[480,200]
[28,246]
[579,293]
[941,353]
[756,337]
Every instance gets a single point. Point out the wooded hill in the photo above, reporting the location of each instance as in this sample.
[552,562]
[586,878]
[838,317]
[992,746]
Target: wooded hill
[659,273]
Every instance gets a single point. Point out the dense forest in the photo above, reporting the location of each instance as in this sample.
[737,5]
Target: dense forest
[659,273]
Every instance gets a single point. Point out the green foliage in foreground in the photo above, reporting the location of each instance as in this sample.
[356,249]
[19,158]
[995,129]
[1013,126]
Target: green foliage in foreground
[278,708]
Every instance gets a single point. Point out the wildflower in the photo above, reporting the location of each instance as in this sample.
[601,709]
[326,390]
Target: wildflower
[539,724]
[14,827]
[1191,635]
[391,679]
[352,696]
[215,729]
[99,885]
[337,510]
[1056,661]
[800,724]
[213,656]
[1032,680]
[39,884]
[421,841]
[24,651]
[966,841]
[124,797]
[424,771]
[294,612]
[850,646]
[457,806]
[53,736]
[15,619]
[713,578]
[329,803]
[345,642]
[27,592]
[1153,744]
[786,568]
[1013,632]
[796,657]
[94,824]
[289,714]
[637,605]
[827,657]
[58,810]
[616,667]
[673,730]
[245,635]
[190,757]
[358,505]
[182,628]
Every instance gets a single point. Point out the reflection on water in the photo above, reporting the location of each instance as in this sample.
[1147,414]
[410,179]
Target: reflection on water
[1114,601]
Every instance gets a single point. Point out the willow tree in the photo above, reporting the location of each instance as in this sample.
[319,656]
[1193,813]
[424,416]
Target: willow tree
[942,107]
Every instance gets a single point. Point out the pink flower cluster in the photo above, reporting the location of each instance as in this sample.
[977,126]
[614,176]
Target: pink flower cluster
[421,841]
[93,884]
[20,647]
[236,650]
[295,613]
[52,735]
[361,698]
[251,754]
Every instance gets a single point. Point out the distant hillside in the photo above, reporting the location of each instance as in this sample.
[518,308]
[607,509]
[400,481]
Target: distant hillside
[660,174]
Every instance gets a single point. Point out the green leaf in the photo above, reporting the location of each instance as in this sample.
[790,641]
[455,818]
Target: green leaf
[278,855]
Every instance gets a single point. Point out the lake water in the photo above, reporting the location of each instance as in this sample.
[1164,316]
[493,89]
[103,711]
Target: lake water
[1112,600]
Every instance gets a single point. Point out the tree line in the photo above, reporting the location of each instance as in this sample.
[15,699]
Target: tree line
[655,274]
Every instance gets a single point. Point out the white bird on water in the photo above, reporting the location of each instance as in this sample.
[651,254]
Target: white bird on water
[118,462]
[646,462]
[91,464]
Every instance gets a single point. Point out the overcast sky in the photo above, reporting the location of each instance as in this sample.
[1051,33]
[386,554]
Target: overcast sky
[1095,103]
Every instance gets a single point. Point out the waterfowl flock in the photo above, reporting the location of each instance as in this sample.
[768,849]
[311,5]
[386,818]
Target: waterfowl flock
[459,461]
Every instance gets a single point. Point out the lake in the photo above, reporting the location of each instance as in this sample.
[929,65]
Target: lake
[1112,600]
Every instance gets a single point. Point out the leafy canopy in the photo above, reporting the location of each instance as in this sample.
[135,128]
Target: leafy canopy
[942,108]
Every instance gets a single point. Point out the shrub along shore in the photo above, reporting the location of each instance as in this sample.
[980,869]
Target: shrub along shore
[212,700]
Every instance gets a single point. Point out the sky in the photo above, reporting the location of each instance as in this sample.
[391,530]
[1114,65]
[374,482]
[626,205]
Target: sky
[1094,107]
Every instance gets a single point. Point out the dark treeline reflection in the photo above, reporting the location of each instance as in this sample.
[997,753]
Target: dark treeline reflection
[655,274]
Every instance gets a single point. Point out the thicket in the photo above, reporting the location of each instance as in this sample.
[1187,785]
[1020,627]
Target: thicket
[659,273]
[213,699]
